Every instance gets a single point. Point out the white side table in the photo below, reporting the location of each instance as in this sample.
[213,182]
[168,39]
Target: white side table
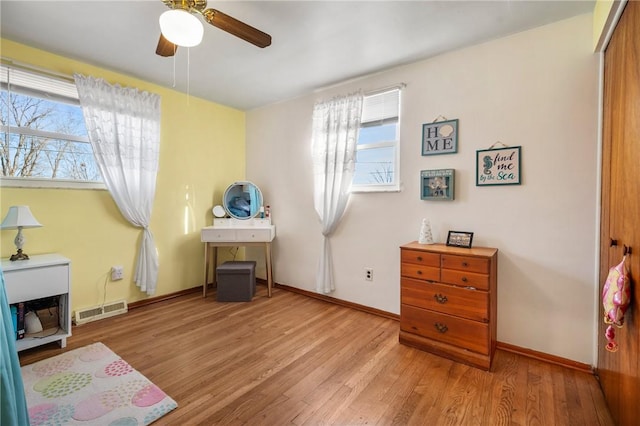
[41,276]
[232,236]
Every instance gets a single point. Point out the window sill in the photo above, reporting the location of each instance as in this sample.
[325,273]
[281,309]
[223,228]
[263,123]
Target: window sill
[375,189]
[9,182]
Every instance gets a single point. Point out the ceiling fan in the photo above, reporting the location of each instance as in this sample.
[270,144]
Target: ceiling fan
[215,18]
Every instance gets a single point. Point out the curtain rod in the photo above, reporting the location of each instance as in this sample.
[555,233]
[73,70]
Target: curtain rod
[354,82]
[385,89]
[33,68]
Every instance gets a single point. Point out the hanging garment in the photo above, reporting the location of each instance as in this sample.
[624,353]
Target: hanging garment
[616,295]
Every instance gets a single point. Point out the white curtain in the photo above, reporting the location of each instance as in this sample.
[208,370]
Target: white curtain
[124,129]
[335,134]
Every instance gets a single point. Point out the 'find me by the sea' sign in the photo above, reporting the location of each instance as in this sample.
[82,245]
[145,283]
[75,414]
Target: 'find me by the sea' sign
[440,137]
[498,166]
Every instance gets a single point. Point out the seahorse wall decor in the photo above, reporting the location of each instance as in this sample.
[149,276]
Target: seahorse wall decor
[487,165]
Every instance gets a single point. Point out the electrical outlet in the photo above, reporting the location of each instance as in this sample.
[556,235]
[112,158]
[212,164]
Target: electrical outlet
[117,273]
[368,274]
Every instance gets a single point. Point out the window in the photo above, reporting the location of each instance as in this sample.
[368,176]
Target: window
[377,165]
[44,140]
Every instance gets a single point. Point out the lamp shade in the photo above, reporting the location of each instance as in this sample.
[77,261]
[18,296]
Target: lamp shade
[181,28]
[19,216]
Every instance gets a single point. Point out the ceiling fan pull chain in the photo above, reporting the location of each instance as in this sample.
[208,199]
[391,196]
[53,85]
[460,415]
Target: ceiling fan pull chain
[188,73]
[174,71]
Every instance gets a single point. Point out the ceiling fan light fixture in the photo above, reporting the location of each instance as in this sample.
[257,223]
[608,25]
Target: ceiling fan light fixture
[181,28]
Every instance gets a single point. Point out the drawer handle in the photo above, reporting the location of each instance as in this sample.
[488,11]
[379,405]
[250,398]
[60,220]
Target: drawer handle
[465,264]
[440,298]
[419,272]
[420,258]
[464,279]
[442,328]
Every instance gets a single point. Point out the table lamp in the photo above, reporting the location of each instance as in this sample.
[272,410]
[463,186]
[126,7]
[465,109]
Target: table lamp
[19,217]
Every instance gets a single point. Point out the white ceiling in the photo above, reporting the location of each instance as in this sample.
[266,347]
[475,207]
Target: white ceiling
[315,43]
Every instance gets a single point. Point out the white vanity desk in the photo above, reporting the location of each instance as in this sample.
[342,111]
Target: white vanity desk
[232,233]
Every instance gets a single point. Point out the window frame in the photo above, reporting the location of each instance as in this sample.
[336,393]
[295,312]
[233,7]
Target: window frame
[63,96]
[395,144]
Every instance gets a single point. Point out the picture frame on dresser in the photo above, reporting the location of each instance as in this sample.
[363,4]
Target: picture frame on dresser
[460,239]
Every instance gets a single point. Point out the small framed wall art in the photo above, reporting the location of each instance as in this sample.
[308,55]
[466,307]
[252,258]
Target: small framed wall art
[440,137]
[460,239]
[500,166]
[437,184]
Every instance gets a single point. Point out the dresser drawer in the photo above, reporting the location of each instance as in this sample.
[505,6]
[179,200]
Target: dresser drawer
[420,272]
[466,263]
[420,258]
[256,234]
[465,279]
[460,332]
[36,283]
[460,302]
[212,234]
[232,234]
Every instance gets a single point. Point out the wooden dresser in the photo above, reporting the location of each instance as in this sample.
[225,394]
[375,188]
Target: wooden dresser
[448,301]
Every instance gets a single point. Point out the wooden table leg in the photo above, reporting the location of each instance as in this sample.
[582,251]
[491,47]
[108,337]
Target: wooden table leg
[214,263]
[267,255]
[206,269]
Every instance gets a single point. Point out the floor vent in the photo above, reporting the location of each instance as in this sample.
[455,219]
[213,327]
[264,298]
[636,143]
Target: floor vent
[99,312]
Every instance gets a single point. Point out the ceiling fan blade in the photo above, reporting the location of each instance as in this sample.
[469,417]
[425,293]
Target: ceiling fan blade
[165,47]
[237,28]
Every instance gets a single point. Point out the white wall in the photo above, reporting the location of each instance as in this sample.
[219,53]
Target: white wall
[536,89]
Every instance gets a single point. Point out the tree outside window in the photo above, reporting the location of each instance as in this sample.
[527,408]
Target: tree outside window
[43,133]
[377,165]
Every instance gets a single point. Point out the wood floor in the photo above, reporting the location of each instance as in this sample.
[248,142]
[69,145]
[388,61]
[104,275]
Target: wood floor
[295,360]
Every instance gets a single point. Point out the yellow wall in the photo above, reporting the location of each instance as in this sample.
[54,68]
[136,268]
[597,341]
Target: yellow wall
[601,12]
[202,151]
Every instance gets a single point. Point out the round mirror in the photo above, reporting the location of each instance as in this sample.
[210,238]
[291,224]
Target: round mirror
[242,200]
